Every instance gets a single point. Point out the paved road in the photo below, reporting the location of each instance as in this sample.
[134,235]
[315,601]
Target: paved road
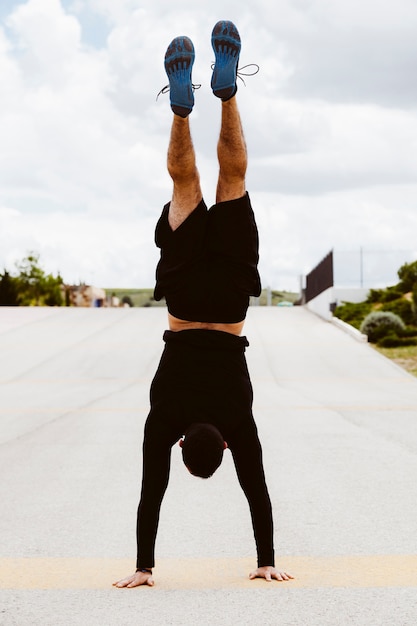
[338,424]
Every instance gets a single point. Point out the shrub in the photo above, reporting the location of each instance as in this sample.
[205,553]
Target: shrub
[414,303]
[375,295]
[391,293]
[352,313]
[394,341]
[408,276]
[127,300]
[384,295]
[401,307]
[409,331]
[378,324]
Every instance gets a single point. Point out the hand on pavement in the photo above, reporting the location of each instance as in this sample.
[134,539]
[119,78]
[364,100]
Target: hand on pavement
[269,573]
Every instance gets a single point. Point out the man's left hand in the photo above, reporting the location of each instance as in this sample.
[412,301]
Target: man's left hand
[269,573]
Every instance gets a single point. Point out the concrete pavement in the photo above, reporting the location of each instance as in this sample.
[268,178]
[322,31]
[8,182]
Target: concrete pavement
[338,423]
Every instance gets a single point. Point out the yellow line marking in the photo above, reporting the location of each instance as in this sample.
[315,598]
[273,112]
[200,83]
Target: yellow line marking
[211,573]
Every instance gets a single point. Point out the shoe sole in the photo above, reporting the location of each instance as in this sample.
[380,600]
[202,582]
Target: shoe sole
[225,40]
[179,60]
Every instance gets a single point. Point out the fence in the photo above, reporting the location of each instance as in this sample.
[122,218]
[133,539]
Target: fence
[320,278]
[361,269]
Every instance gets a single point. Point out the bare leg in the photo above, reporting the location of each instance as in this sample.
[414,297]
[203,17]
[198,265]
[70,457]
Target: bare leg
[182,168]
[232,154]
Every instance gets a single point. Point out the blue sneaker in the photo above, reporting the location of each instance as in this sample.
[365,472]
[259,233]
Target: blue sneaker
[179,59]
[225,41]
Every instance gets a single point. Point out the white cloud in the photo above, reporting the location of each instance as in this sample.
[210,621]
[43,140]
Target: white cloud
[360,51]
[321,148]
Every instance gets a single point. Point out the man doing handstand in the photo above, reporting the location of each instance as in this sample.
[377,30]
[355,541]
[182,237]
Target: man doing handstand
[201,393]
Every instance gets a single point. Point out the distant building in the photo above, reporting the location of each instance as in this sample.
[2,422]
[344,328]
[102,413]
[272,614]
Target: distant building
[85,296]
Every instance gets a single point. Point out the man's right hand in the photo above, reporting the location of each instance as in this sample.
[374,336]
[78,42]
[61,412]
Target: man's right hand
[137,579]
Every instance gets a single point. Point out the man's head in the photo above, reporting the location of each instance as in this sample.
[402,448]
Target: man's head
[202,449]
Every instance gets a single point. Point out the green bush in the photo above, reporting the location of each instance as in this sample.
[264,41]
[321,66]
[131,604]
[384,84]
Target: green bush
[408,276]
[401,307]
[391,293]
[414,304]
[375,295]
[378,324]
[392,340]
[409,331]
[385,295]
[352,313]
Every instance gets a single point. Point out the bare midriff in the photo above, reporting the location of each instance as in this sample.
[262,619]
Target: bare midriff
[177,324]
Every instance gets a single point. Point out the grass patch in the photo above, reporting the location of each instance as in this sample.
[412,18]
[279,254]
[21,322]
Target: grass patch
[277,297]
[405,357]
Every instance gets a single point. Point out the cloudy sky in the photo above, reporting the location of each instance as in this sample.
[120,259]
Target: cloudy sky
[330,122]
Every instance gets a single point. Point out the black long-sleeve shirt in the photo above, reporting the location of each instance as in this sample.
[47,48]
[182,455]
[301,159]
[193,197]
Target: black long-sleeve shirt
[202,377]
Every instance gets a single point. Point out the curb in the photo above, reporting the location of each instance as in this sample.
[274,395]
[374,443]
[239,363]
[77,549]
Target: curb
[347,328]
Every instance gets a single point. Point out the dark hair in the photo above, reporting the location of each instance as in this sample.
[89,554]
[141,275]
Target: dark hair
[202,449]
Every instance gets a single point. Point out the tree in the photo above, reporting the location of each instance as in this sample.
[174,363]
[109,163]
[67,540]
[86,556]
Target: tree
[8,290]
[34,286]
[408,276]
[53,295]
